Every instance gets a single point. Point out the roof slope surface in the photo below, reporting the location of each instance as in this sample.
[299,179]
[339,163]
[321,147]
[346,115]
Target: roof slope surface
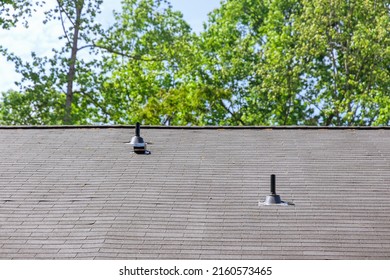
[83,194]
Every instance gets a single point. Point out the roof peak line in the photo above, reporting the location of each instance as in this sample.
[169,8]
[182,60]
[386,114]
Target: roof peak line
[296,127]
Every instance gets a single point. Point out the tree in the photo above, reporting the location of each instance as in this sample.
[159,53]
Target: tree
[138,74]
[345,46]
[286,62]
[77,19]
[224,70]
[249,53]
[62,72]
[149,50]
[31,108]
[80,14]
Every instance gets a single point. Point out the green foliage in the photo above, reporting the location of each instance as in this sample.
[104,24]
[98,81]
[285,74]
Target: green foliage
[13,11]
[300,62]
[228,46]
[249,50]
[345,46]
[257,62]
[64,72]
[31,108]
[149,52]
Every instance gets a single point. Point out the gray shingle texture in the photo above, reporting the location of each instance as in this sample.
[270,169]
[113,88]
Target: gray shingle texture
[83,194]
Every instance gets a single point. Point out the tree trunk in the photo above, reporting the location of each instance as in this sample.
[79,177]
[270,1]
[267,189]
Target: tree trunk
[72,65]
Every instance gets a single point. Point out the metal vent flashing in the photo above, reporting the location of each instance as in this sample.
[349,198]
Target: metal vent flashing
[138,142]
[273,198]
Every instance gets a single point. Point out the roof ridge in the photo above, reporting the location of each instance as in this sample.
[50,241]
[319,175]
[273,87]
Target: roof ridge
[297,127]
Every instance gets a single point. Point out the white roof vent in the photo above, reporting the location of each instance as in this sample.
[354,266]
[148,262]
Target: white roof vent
[138,142]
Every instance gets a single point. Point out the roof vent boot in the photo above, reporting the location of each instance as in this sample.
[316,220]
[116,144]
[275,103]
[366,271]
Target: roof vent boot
[138,142]
[273,198]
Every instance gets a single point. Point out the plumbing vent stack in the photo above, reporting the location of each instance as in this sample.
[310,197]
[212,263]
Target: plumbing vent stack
[273,198]
[138,142]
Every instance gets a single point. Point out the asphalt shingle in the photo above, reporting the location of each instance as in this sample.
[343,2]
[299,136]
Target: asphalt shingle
[81,193]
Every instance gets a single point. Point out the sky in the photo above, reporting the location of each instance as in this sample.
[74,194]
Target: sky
[41,39]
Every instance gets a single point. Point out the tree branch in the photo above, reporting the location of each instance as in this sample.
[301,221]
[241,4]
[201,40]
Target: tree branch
[105,112]
[61,6]
[234,115]
[111,50]
[64,29]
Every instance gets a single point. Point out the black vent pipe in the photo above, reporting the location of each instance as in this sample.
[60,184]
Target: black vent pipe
[273,198]
[273,184]
[137,129]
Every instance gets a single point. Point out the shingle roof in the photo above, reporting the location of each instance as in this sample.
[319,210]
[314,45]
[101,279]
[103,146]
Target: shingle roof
[80,193]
